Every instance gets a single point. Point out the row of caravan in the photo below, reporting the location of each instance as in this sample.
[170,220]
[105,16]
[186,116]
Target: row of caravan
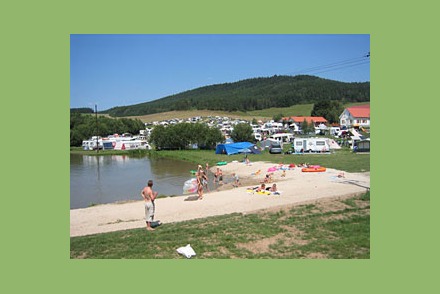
[303,145]
[112,144]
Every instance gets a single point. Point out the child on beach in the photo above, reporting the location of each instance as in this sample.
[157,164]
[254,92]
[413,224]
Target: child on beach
[261,188]
[216,174]
[273,188]
[236,182]
[220,177]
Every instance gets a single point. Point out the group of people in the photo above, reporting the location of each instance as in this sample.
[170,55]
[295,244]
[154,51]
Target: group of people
[268,178]
[202,179]
[263,188]
[150,196]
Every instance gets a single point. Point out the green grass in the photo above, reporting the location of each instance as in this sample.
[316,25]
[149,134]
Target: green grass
[328,229]
[296,110]
[342,159]
[264,114]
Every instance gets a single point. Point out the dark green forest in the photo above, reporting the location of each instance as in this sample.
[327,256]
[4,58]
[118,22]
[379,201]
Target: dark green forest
[253,94]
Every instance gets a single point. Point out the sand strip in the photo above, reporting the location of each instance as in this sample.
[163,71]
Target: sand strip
[296,187]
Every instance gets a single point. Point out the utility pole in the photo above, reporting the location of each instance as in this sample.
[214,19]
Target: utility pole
[97,129]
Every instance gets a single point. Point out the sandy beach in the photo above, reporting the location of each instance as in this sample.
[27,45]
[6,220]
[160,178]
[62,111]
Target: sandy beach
[296,187]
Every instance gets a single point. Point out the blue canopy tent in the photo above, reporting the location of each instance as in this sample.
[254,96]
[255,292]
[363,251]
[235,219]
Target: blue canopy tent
[235,148]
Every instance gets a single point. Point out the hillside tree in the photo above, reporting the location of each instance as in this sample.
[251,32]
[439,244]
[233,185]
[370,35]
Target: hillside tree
[242,133]
[329,109]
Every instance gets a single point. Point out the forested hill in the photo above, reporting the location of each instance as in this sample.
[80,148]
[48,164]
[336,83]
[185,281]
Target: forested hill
[253,94]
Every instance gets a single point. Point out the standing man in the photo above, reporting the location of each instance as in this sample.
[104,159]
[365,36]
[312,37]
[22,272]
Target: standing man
[149,196]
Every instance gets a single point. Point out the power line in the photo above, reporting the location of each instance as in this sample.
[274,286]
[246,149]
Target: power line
[336,65]
[343,67]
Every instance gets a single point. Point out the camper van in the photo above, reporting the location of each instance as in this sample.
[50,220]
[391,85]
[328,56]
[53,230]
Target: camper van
[131,145]
[257,136]
[91,143]
[282,137]
[311,145]
[335,131]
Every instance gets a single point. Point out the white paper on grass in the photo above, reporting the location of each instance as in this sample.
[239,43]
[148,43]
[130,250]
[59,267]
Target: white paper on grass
[187,251]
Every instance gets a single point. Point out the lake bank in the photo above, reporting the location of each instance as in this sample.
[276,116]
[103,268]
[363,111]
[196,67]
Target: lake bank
[296,187]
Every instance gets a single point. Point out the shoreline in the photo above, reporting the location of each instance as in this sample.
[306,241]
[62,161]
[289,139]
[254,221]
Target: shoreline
[296,187]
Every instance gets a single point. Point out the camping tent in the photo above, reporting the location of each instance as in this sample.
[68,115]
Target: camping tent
[235,148]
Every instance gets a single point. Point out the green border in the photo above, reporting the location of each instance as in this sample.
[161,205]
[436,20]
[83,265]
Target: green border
[35,61]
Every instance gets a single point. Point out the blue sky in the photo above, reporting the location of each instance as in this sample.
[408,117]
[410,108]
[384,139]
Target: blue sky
[118,70]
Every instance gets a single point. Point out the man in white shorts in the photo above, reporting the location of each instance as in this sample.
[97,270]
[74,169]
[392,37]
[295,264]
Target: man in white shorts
[149,196]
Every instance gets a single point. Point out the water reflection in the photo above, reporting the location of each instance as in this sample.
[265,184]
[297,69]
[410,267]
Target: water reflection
[105,179]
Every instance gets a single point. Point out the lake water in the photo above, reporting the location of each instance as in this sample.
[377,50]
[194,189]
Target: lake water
[106,179]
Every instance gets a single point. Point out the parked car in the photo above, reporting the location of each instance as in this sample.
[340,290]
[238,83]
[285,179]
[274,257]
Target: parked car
[275,149]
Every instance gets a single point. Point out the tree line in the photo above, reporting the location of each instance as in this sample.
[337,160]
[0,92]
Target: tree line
[253,94]
[185,135]
[84,126]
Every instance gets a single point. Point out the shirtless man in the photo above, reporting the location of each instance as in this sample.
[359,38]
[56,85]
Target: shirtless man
[149,196]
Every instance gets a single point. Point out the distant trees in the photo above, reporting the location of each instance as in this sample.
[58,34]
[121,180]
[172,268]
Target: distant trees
[84,126]
[183,135]
[278,117]
[242,133]
[306,127]
[329,109]
[253,94]
[81,110]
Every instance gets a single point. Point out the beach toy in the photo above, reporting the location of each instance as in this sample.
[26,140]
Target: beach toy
[314,169]
[272,169]
[190,186]
[264,192]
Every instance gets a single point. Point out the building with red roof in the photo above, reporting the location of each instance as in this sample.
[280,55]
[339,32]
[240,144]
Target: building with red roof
[316,120]
[356,116]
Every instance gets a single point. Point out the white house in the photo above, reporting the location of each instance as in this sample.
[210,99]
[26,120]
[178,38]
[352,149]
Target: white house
[356,116]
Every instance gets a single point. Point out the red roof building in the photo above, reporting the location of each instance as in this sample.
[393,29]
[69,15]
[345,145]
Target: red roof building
[316,120]
[356,116]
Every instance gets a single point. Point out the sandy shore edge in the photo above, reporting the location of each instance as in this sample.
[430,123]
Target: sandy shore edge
[296,188]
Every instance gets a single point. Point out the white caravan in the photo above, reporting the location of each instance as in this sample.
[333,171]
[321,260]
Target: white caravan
[312,145]
[282,137]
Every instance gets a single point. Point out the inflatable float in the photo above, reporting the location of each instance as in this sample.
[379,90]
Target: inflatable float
[222,163]
[272,169]
[251,191]
[190,186]
[314,168]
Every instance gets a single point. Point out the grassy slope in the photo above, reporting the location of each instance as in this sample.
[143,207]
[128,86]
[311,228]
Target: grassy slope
[336,228]
[265,114]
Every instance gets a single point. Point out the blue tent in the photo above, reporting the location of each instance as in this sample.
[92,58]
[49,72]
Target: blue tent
[235,148]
